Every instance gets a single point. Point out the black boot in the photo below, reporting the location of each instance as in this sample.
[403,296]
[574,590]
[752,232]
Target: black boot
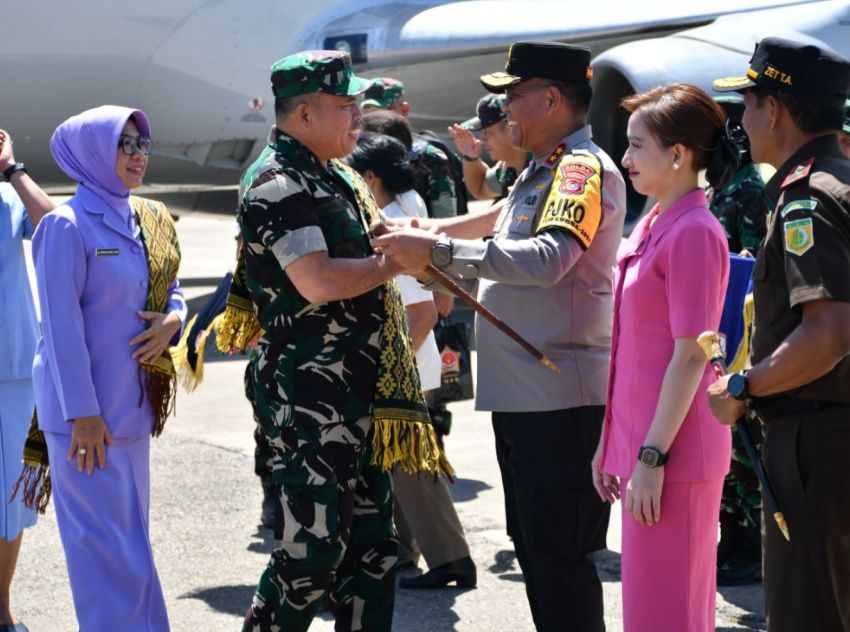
[743,566]
[461,571]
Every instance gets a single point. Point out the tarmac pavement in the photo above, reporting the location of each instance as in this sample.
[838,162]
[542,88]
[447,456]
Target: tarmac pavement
[205,505]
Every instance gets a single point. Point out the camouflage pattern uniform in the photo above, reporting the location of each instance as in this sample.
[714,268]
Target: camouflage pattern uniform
[742,208]
[313,386]
[434,181]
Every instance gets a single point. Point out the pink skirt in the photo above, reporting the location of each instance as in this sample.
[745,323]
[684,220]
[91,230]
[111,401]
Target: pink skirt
[669,570]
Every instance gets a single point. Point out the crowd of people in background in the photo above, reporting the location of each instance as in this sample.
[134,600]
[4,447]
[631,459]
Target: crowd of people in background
[355,234]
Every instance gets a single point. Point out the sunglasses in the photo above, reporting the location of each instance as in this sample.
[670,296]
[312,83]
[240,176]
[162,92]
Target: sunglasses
[131,145]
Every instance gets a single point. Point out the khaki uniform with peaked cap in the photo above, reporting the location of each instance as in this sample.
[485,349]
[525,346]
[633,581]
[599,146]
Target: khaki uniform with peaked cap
[313,382]
[805,257]
[547,274]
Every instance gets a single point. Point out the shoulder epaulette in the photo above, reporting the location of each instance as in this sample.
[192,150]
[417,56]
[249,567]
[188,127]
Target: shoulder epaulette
[798,173]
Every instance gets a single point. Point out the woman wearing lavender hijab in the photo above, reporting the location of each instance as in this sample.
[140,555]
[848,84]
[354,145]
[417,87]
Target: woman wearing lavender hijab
[106,267]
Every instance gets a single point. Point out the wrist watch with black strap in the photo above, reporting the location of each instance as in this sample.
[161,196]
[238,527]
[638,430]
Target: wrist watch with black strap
[12,169]
[651,457]
[737,386]
[442,253]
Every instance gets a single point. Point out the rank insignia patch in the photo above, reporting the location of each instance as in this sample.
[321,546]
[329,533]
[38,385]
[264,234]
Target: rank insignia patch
[798,173]
[556,154]
[799,236]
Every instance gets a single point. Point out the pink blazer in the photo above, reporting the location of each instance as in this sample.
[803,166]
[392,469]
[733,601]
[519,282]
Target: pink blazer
[670,282]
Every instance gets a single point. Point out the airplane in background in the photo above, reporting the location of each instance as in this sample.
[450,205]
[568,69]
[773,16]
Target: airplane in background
[200,68]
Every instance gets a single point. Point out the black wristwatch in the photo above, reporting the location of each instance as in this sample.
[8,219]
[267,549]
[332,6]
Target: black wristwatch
[651,457]
[737,386]
[441,253]
[13,169]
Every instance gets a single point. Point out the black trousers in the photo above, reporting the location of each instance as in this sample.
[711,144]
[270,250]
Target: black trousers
[807,580]
[554,515]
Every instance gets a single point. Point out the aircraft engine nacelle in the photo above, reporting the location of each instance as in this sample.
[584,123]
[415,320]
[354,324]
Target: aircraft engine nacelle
[700,55]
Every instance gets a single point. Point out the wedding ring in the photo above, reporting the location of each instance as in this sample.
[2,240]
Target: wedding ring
[82,451]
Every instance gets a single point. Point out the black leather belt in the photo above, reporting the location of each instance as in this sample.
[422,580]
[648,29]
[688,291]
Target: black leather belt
[785,405]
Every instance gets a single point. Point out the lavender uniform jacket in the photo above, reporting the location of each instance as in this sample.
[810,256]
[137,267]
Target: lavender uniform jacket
[92,279]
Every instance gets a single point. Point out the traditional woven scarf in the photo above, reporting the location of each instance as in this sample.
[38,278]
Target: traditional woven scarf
[158,378]
[402,433]
[159,236]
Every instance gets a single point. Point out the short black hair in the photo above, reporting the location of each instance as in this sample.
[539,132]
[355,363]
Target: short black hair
[576,93]
[810,117]
[387,158]
[284,106]
[388,123]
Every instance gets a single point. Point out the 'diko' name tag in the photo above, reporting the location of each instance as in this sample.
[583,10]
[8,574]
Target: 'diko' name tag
[107,252]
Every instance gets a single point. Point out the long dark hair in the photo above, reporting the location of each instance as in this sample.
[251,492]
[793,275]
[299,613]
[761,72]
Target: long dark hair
[387,158]
[682,113]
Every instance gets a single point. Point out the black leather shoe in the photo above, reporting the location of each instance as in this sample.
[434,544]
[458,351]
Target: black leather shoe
[461,571]
[403,565]
[739,570]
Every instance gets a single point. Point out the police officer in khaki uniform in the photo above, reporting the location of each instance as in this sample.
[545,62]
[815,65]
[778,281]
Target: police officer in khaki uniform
[547,274]
[800,377]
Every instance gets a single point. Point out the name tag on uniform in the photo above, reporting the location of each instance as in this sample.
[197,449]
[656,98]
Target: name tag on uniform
[107,252]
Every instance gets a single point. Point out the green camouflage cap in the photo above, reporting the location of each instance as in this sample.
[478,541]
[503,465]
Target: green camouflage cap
[490,112]
[846,127]
[382,92]
[310,71]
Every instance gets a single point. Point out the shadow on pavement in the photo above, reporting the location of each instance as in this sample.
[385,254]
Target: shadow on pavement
[466,489]
[749,598]
[505,566]
[227,599]
[262,541]
[427,610]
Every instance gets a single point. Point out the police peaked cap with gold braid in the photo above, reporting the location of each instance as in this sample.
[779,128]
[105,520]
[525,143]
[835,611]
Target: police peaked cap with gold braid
[546,60]
[803,70]
[309,71]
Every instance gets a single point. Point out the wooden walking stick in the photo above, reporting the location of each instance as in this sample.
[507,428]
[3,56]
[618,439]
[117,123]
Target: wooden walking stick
[379,229]
[710,343]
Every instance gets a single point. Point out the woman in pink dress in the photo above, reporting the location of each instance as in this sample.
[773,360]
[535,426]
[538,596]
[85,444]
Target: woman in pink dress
[660,445]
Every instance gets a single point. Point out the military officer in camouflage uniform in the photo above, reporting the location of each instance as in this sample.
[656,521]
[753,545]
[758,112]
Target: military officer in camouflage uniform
[799,383]
[485,182]
[316,286]
[547,274]
[742,207]
[435,182]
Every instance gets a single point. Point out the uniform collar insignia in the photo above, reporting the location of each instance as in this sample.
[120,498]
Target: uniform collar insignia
[798,173]
[556,154]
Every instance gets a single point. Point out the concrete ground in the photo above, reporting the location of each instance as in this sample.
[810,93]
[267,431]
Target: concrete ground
[206,503]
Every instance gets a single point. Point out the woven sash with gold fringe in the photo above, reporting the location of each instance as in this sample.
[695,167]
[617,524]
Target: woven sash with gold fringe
[159,236]
[158,378]
[402,433]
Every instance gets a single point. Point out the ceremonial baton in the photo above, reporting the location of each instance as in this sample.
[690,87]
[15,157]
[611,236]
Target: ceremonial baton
[379,229]
[710,343]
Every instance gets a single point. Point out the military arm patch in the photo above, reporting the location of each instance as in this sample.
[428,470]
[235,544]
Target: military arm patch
[799,205]
[575,199]
[799,236]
